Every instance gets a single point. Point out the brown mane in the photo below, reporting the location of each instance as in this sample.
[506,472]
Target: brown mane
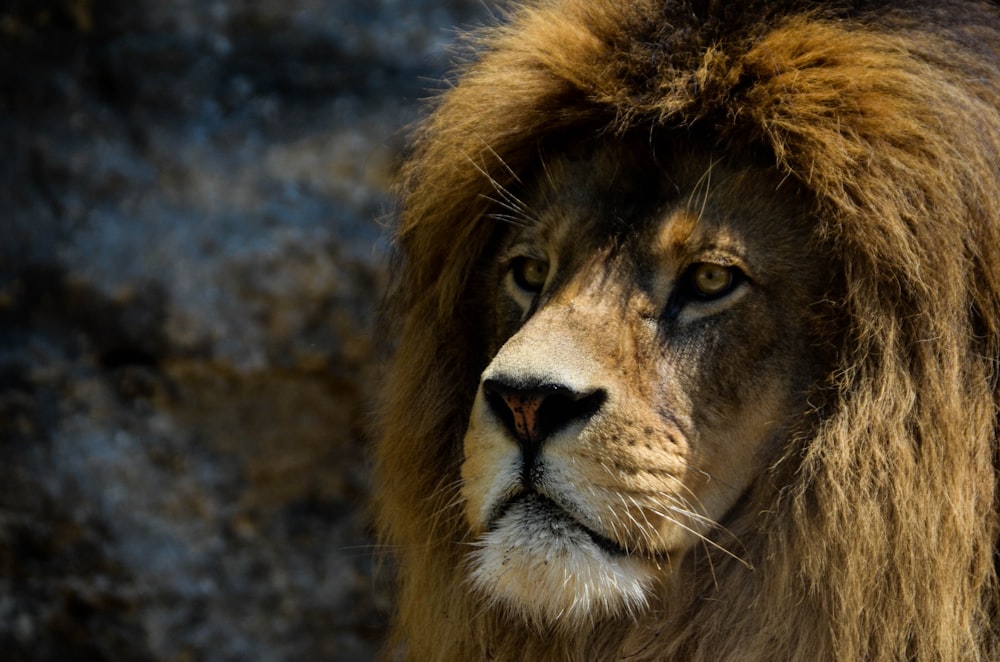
[879,534]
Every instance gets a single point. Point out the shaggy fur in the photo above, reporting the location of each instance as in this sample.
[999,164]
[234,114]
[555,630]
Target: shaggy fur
[876,538]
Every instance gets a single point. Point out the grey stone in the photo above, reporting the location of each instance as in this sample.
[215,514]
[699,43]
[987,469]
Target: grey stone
[191,254]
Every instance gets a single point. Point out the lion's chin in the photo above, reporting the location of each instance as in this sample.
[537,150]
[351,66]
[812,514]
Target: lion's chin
[540,564]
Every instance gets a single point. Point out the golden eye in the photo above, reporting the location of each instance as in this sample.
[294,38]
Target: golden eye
[530,274]
[712,280]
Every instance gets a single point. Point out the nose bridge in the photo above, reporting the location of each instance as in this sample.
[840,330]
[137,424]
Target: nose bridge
[578,334]
[556,345]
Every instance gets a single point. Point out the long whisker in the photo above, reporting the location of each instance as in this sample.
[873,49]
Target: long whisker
[451,511]
[693,511]
[500,160]
[702,185]
[649,530]
[518,221]
[670,516]
[507,199]
[644,529]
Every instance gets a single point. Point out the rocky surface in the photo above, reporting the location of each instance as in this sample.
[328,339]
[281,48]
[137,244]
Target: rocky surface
[190,260]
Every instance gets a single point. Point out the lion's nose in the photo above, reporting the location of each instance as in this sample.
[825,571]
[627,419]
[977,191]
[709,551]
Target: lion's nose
[533,412]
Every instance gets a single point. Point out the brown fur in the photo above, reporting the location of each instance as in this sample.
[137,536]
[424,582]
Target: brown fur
[879,532]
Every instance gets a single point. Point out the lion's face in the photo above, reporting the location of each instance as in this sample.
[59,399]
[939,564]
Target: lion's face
[652,347]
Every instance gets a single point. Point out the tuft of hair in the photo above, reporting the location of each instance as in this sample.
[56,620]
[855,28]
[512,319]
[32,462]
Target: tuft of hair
[880,540]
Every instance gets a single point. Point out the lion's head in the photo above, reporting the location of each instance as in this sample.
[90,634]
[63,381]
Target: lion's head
[652,338]
[698,322]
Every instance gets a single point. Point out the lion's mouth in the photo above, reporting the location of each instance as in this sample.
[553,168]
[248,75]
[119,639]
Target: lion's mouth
[543,512]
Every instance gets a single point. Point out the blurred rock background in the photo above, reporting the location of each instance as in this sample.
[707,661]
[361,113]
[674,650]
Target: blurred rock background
[190,259]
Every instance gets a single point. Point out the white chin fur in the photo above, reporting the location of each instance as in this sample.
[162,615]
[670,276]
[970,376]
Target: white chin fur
[546,569]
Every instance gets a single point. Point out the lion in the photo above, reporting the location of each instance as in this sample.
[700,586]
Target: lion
[695,326]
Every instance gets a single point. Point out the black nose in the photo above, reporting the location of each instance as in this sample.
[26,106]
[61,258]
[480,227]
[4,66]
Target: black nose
[534,412]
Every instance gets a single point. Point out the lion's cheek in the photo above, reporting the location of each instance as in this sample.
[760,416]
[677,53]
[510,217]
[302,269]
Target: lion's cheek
[733,439]
[489,473]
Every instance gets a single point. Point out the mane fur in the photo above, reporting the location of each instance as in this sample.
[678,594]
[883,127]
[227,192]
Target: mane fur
[874,537]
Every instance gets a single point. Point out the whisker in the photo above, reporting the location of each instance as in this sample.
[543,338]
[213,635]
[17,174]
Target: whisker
[698,506]
[649,529]
[508,199]
[510,219]
[643,530]
[500,160]
[705,539]
[703,181]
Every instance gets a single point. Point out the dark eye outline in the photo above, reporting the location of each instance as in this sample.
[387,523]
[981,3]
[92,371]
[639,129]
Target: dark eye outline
[518,269]
[690,291]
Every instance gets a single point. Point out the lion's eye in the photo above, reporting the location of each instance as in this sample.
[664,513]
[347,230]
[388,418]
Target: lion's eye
[710,281]
[530,274]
